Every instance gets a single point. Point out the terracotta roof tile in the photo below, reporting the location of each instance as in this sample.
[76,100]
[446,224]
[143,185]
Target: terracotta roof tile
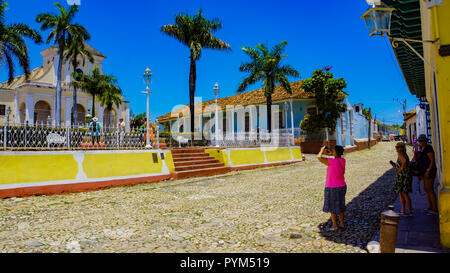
[255,97]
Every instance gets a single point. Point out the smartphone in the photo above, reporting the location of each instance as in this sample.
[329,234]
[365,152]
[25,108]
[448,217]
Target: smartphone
[393,164]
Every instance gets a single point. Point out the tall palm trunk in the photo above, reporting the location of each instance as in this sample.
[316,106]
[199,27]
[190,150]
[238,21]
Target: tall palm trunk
[93,105]
[269,112]
[74,103]
[192,79]
[109,116]
[58,85]
[74,108]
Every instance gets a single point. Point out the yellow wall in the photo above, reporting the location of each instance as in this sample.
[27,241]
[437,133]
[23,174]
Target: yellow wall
[435,22]
[36,168]
[169,162]
[246,157]
[111,165]
[296,152]
[241,157]
[49,166]
[218,154]
[278,155]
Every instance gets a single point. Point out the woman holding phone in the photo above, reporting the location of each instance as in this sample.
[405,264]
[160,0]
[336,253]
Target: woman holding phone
[335,186]
[403,178]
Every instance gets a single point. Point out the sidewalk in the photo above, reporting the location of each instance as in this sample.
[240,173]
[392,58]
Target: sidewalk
[418,233]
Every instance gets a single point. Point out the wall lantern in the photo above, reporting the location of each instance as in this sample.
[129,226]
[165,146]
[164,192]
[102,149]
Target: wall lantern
[378,20]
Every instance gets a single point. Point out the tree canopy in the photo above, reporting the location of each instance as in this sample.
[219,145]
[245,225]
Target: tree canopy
[329,95]
[265,65]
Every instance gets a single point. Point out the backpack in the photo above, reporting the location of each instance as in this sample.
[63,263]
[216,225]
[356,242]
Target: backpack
[94,126]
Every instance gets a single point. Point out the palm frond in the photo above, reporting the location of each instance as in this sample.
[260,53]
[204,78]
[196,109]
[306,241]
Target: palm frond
[26,31]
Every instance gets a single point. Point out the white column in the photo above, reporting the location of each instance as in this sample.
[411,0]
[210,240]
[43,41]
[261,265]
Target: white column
[292,117]
[99,115]
[29,112]
[16,108]
[232,122]
[127,117]
[119,114]
[68,111]
[67,71]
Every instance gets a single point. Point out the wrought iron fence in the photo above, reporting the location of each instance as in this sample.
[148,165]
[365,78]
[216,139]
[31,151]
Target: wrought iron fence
[25,137]
[16,137]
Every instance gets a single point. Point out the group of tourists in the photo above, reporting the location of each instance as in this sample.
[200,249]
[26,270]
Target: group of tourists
[95,129]
[423,166]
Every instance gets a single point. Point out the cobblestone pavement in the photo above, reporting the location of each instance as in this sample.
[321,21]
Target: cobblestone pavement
[276,209]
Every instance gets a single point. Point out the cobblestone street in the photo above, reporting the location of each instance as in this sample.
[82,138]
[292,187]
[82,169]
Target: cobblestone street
[276,209]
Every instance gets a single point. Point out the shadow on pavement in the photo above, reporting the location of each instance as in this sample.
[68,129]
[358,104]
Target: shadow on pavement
[362,216]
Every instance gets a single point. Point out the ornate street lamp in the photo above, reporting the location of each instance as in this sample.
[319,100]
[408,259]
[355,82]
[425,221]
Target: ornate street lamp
[147,75]
[378,18]
[216,118]
[378,21]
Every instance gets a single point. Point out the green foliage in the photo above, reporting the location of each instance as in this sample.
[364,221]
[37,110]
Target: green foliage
[266,65]
[12,44]
[367,114]
[138,120]
[195,32]
[97,84]
[329,95]
[398,127]
[66,35]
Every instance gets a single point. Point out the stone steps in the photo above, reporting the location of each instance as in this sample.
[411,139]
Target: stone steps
[194,162]
[182,162]
[198,166]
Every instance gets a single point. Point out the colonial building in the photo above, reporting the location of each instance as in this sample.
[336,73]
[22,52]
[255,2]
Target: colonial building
[33,101]
[416,123]
[246,113]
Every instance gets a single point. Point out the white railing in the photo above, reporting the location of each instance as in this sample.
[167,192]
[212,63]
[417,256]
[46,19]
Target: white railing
[279,137]
[47,137]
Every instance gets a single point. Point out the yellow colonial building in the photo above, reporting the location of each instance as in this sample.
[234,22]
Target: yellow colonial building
[421,34]
[34,100]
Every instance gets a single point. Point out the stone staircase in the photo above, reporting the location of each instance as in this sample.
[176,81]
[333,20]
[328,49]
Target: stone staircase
[194,162]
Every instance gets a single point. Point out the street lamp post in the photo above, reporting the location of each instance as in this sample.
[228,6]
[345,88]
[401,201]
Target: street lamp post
[147,75]
[216,118]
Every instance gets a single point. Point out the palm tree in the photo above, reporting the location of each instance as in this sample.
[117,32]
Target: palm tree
[110,97]
[62,30]
[196,32]
[12,44]
[266,66]
[95,84]
[76,49]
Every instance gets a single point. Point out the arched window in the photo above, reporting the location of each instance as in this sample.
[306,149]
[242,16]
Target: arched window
[22,111]
[109,119]
[81,114]
[42,113]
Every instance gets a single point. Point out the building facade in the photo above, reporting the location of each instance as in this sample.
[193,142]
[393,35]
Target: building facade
[33,101]
[247,113]
[426,66]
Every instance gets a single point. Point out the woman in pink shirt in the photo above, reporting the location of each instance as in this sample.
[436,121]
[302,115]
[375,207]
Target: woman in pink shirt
[335,187]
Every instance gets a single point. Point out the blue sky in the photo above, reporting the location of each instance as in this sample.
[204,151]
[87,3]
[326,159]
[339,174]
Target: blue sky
[319,33]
